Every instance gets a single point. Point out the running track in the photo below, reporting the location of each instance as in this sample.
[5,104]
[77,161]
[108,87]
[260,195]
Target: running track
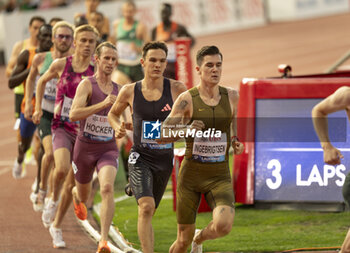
[308,46]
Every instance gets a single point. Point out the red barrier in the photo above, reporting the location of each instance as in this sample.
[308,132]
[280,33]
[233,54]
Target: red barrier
[178,157]
[183,61]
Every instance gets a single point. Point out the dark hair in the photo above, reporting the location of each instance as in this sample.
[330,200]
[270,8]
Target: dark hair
[104,44]
[167,5]
[154,45]
[36,18]
[207,50]
[45,26]
[55,19]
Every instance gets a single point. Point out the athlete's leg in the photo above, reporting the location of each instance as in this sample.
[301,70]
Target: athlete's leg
[184,238]
[220,226]
[66,199]
[345,248]
[47,161]
[62,166]
[106,177]
[146,210]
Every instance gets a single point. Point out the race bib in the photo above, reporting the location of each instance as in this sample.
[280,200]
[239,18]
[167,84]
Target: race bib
[50,90]
[48,105]
[171,52]
[210,149]
[126,51]
[67,104]
[97,128]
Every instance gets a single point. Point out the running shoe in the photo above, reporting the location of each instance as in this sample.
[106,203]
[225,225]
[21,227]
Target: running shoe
[39,202]
[196,248]
[17,170]
[49,213]
[33,197]
[34,184]
[80,210]
[103,247]
[57,239]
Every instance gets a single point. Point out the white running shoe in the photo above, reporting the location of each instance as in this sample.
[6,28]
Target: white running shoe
[49,213]
[38,205]
[17,170]
[34,184]
[57,239]
[33,197]
[196,248]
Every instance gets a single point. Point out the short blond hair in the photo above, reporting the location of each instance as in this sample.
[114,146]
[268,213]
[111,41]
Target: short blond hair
[62,24]
[86,28]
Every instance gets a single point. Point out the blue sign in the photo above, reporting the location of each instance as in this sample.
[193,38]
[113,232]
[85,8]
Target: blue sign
[289,163]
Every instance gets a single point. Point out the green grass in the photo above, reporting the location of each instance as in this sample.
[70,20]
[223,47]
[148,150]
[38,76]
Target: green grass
[253,231]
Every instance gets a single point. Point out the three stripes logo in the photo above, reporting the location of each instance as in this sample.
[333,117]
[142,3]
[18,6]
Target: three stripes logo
[166,108]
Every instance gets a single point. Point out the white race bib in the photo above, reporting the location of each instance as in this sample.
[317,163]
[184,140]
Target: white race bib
[126,52]
[67,104]
[97,128]
[50,90]
[210,149]
[171,52]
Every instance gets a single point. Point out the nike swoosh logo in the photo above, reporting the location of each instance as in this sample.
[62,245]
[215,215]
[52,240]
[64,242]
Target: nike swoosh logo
[201,109]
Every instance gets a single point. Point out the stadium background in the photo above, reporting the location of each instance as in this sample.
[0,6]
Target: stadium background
[309,35]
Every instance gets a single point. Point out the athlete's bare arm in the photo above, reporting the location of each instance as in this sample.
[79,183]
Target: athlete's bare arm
[55,70]
[237,146]
[20,72]
[339,100]
[30,84]
[179,117]
[16,50]
[125,98]
[79,110]
[114,33]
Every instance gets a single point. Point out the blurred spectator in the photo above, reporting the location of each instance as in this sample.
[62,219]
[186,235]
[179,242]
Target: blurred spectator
[54,20]
[96,19]
[91,6]
[168,31]
[80,20]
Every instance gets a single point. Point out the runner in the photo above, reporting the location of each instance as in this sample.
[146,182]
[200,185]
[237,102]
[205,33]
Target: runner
[95,145]
[18,76]
[70,71]
[168,31]
[62,39]
[32,42]
[339,100]
[150,164]
[205,169]
[130,35]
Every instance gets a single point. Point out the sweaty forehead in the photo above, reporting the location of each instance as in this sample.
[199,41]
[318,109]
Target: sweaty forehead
[156,53]
[86,35]
[215,58]
[64,30]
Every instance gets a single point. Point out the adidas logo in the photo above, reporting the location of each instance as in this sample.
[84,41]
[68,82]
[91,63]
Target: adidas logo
[166,108]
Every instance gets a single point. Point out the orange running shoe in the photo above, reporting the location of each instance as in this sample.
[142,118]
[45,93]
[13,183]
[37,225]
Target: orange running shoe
[80,210]
[103,247]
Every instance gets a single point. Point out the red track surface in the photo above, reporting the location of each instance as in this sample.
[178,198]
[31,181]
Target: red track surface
[308,46]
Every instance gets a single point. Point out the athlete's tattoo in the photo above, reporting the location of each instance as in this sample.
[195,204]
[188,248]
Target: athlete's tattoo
[222,210]
[182,105]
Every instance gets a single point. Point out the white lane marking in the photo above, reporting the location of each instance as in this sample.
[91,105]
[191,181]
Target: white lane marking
[5,170]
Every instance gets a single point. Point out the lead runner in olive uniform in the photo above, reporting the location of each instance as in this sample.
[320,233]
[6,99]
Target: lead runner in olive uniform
[150,163]
[210,108]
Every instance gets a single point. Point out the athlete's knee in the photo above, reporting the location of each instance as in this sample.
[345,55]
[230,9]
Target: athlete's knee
[49,156]
[60,173]
[222,228]
[106,189]
[146,209]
